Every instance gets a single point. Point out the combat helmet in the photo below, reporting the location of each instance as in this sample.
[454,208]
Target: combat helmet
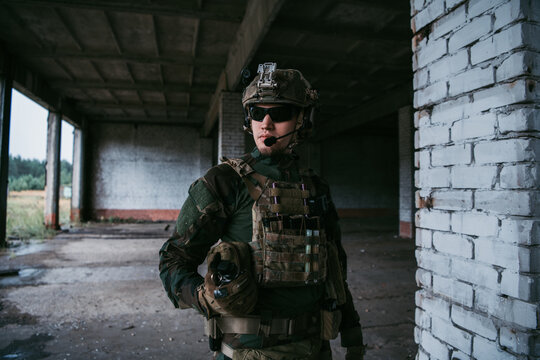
[282,86]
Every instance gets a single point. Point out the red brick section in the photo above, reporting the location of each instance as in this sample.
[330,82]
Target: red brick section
[51,222]
[75,215]
[144,214]
[171,215]
[405,230]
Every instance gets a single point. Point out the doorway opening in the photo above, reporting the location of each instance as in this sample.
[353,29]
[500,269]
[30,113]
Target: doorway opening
[27,160]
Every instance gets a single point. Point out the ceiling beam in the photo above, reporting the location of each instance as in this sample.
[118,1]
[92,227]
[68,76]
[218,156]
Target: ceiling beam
[396,5]
[180,59]
[126,85]
[69,29]
[162,120]
[383,105]
[138,106]
[324,57]
[142,7]
[257,20]
[366,33]
[24,28]
[37,89]
[114,36]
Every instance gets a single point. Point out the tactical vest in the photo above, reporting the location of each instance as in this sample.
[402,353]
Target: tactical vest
[289,241]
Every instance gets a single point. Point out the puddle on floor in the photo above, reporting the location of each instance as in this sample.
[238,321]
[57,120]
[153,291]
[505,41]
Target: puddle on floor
[28,349]
[30,248]
[22,277]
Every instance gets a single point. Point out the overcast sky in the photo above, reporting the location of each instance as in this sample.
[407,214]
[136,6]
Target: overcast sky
[28,134]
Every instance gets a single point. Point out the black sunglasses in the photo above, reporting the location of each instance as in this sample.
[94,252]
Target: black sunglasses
[278,114]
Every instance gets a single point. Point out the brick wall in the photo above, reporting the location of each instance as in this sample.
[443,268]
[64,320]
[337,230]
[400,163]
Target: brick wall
[231,139]
[142,171]
[477,141]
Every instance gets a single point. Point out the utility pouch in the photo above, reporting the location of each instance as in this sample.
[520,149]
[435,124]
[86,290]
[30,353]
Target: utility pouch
[214,334]
[330,321]
[214,344]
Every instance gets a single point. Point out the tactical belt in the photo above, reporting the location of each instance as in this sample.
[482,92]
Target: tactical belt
[227,350]
[256,325]
[305,323]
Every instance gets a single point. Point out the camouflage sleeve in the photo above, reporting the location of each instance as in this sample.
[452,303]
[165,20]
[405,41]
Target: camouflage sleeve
[200,225]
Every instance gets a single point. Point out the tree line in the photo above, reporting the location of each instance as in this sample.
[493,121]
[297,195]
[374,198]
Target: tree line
[29,174]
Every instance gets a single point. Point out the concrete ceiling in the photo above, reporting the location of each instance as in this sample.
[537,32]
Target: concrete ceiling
[166,61]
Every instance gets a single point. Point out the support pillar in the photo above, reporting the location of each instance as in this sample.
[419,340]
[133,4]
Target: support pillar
[406,172]
[77,177]
[231,138]
[6,85]
[52,179]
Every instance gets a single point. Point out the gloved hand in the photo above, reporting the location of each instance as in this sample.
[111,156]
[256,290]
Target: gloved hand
[229,287]
[204,304]
[353,340]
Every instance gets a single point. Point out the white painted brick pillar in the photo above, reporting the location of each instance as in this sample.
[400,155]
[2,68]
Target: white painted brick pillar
[231,138]
[477,143]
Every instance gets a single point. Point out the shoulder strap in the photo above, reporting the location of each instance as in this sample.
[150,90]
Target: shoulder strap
[246,172]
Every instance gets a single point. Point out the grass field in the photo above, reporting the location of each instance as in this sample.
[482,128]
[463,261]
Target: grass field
[25,214]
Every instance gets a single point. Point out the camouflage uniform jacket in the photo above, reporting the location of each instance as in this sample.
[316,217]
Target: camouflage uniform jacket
[219,207]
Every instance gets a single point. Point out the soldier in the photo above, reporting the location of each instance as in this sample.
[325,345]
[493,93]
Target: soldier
[276,283]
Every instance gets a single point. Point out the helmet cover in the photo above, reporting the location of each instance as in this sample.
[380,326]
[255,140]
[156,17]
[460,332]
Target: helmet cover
[229,286]
[282,86]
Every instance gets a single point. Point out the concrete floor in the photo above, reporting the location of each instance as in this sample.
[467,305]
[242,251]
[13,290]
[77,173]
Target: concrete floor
[94,293]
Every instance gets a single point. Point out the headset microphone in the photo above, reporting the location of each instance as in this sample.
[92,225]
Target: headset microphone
[272,139]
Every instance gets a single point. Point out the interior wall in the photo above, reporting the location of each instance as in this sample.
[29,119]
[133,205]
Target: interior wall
[362,168]
[143,171]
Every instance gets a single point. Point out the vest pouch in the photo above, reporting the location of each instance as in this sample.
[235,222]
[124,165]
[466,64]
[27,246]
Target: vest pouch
[330,322]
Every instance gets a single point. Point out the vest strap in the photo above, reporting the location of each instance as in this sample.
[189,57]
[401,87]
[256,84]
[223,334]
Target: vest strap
[245,171]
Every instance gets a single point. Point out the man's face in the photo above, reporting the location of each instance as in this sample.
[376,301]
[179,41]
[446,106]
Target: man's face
[268,128]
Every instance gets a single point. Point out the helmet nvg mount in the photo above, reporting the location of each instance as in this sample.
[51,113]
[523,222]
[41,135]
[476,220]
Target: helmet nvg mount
[281,86]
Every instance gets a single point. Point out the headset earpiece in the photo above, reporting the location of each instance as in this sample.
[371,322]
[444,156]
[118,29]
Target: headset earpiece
[309,114]
[247,124]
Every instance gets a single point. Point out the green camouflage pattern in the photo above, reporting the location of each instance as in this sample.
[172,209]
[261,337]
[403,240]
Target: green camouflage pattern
[219,207]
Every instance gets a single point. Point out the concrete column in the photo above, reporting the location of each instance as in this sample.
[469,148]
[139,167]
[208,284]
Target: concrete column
[52,179]
[231,139]
[406,172]
[77,175]
[6,85]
